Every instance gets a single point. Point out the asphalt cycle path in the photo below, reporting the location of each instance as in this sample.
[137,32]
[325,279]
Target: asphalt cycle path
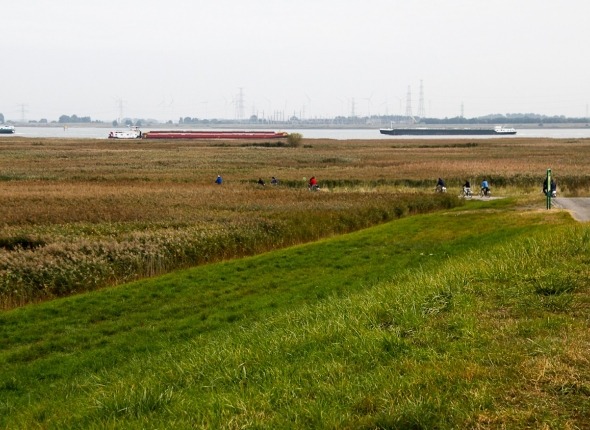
[579,207]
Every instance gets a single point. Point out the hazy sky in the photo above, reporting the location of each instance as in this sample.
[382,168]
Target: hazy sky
[311,58]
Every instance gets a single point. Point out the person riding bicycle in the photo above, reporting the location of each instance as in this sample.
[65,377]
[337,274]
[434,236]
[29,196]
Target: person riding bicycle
[467,188]
[485,187]
[553,188]
[313,184]
[440,186]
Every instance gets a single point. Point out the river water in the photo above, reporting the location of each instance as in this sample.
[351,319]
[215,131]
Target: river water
[324,133]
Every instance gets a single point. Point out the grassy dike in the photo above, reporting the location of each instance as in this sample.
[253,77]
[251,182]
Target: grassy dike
[476,317]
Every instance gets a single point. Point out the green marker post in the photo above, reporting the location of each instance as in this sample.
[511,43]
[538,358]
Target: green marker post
[548,188]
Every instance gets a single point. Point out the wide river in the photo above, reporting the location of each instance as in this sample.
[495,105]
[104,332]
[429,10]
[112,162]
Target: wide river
[324,133]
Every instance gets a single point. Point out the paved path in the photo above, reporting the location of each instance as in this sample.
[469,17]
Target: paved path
[579,207]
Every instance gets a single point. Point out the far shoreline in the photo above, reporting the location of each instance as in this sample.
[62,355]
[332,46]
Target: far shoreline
[289,126]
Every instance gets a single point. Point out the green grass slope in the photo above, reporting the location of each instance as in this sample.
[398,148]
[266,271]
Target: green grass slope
[472,318]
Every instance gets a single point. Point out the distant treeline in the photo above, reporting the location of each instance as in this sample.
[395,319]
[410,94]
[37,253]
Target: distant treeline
[507,119]
[517,118]
[66,119]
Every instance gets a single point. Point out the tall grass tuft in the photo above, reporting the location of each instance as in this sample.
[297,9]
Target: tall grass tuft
[295,139]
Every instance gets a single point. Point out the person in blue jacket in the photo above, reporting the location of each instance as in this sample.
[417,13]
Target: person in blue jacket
[485,187]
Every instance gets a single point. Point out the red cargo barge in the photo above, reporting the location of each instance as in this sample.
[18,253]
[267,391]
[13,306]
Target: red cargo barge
[213,134]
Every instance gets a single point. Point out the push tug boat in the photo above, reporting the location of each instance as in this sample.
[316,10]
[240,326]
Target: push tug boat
[132,133]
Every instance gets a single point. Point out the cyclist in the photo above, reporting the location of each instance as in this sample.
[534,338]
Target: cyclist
[313,184]
[485,187]
[440,186]
[467,189]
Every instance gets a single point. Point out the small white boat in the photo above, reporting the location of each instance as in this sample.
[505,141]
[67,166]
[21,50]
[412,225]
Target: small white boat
[133,133]
[7,129]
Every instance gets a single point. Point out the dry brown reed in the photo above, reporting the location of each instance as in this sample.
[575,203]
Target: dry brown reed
[199,162]
[81,214]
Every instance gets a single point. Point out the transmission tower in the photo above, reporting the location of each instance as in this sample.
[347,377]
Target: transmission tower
[421,113]
[120,103]
[462,110]
[409,103]
[240,105]
[23,111]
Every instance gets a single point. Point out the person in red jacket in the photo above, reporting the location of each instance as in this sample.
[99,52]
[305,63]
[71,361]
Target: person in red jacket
[313,183]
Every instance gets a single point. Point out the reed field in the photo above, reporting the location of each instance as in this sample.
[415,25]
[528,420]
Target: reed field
[136,293]
[82,214]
